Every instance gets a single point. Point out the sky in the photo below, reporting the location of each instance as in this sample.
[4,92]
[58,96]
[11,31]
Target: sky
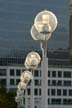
[17,17]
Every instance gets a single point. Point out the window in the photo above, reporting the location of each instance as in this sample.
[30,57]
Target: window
[67,101]
[48,101]
[2,72]
[67,83]
[36,73]
[35,91]
[48,82]
[54,82]
[58,92]
[28,91]
[53,73]
[59,74]
[17,81]
[53,101]
[48,73]
[56,101]
[23,100]
[53,92]
[18,72]
[37,82]
[3,82]
[12,82]
[59,82]
[11,72]
[64,92]
[40,92]
[70,92]
[67,74]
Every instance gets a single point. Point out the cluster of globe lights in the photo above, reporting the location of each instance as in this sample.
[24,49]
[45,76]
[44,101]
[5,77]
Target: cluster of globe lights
[44,24]
[31,62]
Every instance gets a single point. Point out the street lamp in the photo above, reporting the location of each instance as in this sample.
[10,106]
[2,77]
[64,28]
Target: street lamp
[31,62]
[44,24]
[25,77]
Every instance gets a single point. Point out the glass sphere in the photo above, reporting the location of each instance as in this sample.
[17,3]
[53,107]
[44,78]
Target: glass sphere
[26,76]
[32,60]
[39,36]
[45,22]
[21,86]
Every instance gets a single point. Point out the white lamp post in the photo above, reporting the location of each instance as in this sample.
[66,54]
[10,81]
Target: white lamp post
[44,24]
[31,62]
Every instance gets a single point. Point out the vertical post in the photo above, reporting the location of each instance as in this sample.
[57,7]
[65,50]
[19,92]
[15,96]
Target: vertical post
[32,92]
[44,74]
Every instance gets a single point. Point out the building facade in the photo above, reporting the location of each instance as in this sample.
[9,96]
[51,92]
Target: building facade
[59,86]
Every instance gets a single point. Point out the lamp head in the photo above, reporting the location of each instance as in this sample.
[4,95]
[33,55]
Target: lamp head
[26,76]
[45,22]
[39,36]
[32,60]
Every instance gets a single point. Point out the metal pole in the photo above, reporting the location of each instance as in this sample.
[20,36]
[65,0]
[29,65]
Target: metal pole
[32,92]
[44,75]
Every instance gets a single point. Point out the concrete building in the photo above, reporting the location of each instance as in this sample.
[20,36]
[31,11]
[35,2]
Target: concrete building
[59,85]
[59,89]
[70,28]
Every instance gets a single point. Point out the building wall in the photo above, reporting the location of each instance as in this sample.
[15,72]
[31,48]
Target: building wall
[70,33]
[59,85]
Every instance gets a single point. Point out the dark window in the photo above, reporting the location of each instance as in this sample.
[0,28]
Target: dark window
[36,73]
[67,101]
[59,82]
[59,74]
[35,91]
[58,92]
[48,101]
[53,73]
[17,81]
[67,83]
[54,82]
[18,72]
[35,106]
[12,82]
[64,92]
[53,101]
[58,101]
[67,74]
[40,92]
[48,82]
[28,91]
[24,100]
[53,92]
[70,92]
[48,73]
[11,72]
[37,82]
[3,82]
[2,72]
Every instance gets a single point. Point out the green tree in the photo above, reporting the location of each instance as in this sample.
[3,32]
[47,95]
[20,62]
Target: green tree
[6,98]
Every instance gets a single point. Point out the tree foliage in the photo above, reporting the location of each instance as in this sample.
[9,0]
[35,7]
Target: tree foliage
[6,98]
